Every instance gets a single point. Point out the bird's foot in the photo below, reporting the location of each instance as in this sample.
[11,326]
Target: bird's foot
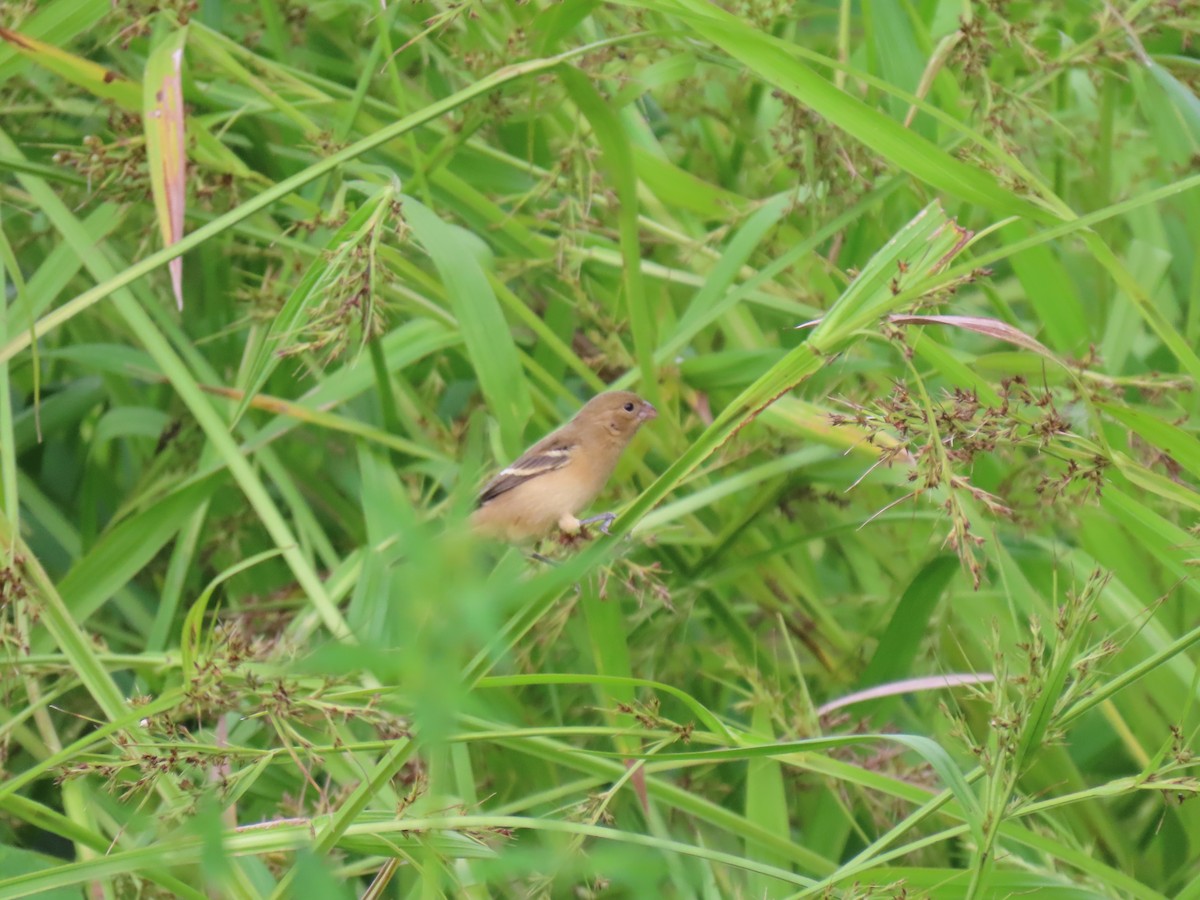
[605,520]
[574,538]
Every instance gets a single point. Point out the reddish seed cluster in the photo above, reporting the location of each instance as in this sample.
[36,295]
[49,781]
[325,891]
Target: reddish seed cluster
[941,441]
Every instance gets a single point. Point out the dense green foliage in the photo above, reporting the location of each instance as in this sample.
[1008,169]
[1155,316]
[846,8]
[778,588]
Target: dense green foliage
[249,649]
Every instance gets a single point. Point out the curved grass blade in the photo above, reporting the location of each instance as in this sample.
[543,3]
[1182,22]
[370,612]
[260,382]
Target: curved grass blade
[489,342]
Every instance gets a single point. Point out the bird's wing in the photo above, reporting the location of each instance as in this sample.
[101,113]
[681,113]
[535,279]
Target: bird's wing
[547,455]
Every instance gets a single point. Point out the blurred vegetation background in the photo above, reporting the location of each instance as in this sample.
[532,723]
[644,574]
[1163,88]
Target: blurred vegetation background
[899,603]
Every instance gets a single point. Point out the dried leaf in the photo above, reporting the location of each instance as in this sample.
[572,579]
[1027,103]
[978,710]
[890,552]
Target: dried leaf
[993,328]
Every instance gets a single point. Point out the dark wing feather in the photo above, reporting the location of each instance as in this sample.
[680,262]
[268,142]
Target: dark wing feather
[547,455]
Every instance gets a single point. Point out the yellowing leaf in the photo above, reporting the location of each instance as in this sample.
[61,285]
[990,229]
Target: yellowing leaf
[166,150]
[92,77]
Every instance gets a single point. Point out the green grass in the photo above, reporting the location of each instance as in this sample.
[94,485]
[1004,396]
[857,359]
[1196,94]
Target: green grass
[900,600]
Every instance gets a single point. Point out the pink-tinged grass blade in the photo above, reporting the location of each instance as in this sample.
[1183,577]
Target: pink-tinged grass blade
[907,686]
[165,148]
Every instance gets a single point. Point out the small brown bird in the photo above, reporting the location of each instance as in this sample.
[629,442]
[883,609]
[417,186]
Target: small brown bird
[563,473]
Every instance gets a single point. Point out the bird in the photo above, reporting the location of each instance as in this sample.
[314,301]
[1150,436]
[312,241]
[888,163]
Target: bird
[559,476]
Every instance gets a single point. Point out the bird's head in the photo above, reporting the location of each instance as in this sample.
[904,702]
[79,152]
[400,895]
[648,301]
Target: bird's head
[617,413]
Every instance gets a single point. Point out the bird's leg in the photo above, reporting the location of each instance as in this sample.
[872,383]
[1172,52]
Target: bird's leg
[538,557]
[605,520]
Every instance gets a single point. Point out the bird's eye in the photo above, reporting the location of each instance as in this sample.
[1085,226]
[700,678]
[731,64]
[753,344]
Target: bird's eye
[628,407]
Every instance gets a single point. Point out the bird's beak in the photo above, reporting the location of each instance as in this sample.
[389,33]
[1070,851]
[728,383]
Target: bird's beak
[647,412]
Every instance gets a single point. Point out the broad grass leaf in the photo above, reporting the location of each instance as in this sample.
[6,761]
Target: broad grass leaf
[905,632]
[1182,446]
[1172,108]
[768,57]
[1052,293]
[766,802]
[489,343]
[618,163]
[124,550]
